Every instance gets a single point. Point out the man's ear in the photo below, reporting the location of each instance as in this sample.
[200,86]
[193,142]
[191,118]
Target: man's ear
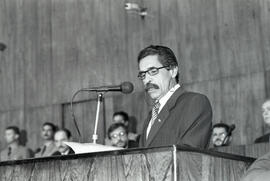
[17,136]
[174,71]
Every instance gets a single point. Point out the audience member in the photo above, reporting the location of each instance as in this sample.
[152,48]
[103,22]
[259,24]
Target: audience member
[222,134]
[259,170]
[48,147]
[13,151]
[266,118]
[60,137]
[122,117]
[118,135]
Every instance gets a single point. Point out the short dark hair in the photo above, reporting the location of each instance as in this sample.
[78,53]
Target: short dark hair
[114,127]
[227,128]
[14,128]
[123,114]
[165,56]
[54,128]
[67,132]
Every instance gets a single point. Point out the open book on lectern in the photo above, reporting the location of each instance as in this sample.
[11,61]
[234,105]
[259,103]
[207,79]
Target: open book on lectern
[90,147]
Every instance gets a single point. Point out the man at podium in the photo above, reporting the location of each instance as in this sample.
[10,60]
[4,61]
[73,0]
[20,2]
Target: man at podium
[177,117]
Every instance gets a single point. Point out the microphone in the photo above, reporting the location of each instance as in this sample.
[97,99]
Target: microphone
[125,87]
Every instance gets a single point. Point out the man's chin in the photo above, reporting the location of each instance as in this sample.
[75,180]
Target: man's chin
[153,94]
[218,144]
[121,145]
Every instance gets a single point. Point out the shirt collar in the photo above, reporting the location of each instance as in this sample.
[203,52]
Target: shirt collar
[167,96]
[66,152]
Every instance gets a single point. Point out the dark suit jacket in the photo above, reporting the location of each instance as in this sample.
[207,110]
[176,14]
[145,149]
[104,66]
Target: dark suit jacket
[186,119]
[70,152]
[263,139]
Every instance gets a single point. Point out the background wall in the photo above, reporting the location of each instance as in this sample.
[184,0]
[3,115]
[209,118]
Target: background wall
[55,47]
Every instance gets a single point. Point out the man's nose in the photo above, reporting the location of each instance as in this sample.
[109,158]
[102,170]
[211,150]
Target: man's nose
[147,79]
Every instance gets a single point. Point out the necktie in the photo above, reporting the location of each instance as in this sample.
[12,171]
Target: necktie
[43,150]
[153,118]
[9,152]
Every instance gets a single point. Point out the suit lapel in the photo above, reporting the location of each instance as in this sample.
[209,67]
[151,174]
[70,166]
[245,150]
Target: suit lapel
[143,136]
[163,115]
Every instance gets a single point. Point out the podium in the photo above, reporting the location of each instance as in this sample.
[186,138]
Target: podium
[171,163]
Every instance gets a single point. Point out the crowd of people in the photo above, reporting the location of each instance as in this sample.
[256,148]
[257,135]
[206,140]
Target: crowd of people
[178,117]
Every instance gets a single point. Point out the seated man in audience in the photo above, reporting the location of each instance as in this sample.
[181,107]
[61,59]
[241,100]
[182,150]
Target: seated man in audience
[48,147]
[259,170]
[60,137]
[13,151]
[222,134]
[122,117]
[118,135]
[266,118]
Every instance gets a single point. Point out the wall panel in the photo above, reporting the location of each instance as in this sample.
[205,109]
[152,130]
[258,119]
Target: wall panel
[198,40]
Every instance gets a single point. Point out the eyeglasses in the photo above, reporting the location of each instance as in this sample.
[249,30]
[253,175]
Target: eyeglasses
[151,71]
[120,134]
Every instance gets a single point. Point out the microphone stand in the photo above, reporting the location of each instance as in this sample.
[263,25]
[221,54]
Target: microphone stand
[99,100]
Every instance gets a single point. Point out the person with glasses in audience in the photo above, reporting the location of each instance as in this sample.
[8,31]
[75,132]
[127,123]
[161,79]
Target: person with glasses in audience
[177,117]
[14,151]
[118,135]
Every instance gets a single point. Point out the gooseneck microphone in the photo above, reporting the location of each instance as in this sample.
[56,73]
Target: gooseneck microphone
[229,133]
[125,87]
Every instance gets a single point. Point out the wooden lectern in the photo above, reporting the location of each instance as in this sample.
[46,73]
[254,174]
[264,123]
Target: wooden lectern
[170,163]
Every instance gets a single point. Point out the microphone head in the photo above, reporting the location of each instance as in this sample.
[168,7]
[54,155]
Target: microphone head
[126,87]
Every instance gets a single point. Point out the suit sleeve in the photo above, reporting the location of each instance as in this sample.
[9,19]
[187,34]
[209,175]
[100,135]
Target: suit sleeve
[259,170]
[198,119]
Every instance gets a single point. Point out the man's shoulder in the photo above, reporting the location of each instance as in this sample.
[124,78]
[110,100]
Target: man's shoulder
[56,153]
[192,97]
[193,94]
[263,138]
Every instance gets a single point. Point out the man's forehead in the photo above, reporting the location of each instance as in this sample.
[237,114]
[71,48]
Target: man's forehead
[117,130]
[60,135]
[10,131]
[266,104]
[219,130]
[148,62]
[47,127]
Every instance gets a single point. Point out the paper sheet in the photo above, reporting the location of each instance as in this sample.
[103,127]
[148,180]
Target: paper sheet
[90,147]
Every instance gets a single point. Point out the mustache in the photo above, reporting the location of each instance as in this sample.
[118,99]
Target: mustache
[218,140]
[151,85]
[61,146]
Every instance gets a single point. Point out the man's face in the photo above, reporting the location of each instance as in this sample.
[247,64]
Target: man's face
[119,137]
[218,136]
[157,85]
[47,132]
[60,137]
[266,112]
[11,136]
